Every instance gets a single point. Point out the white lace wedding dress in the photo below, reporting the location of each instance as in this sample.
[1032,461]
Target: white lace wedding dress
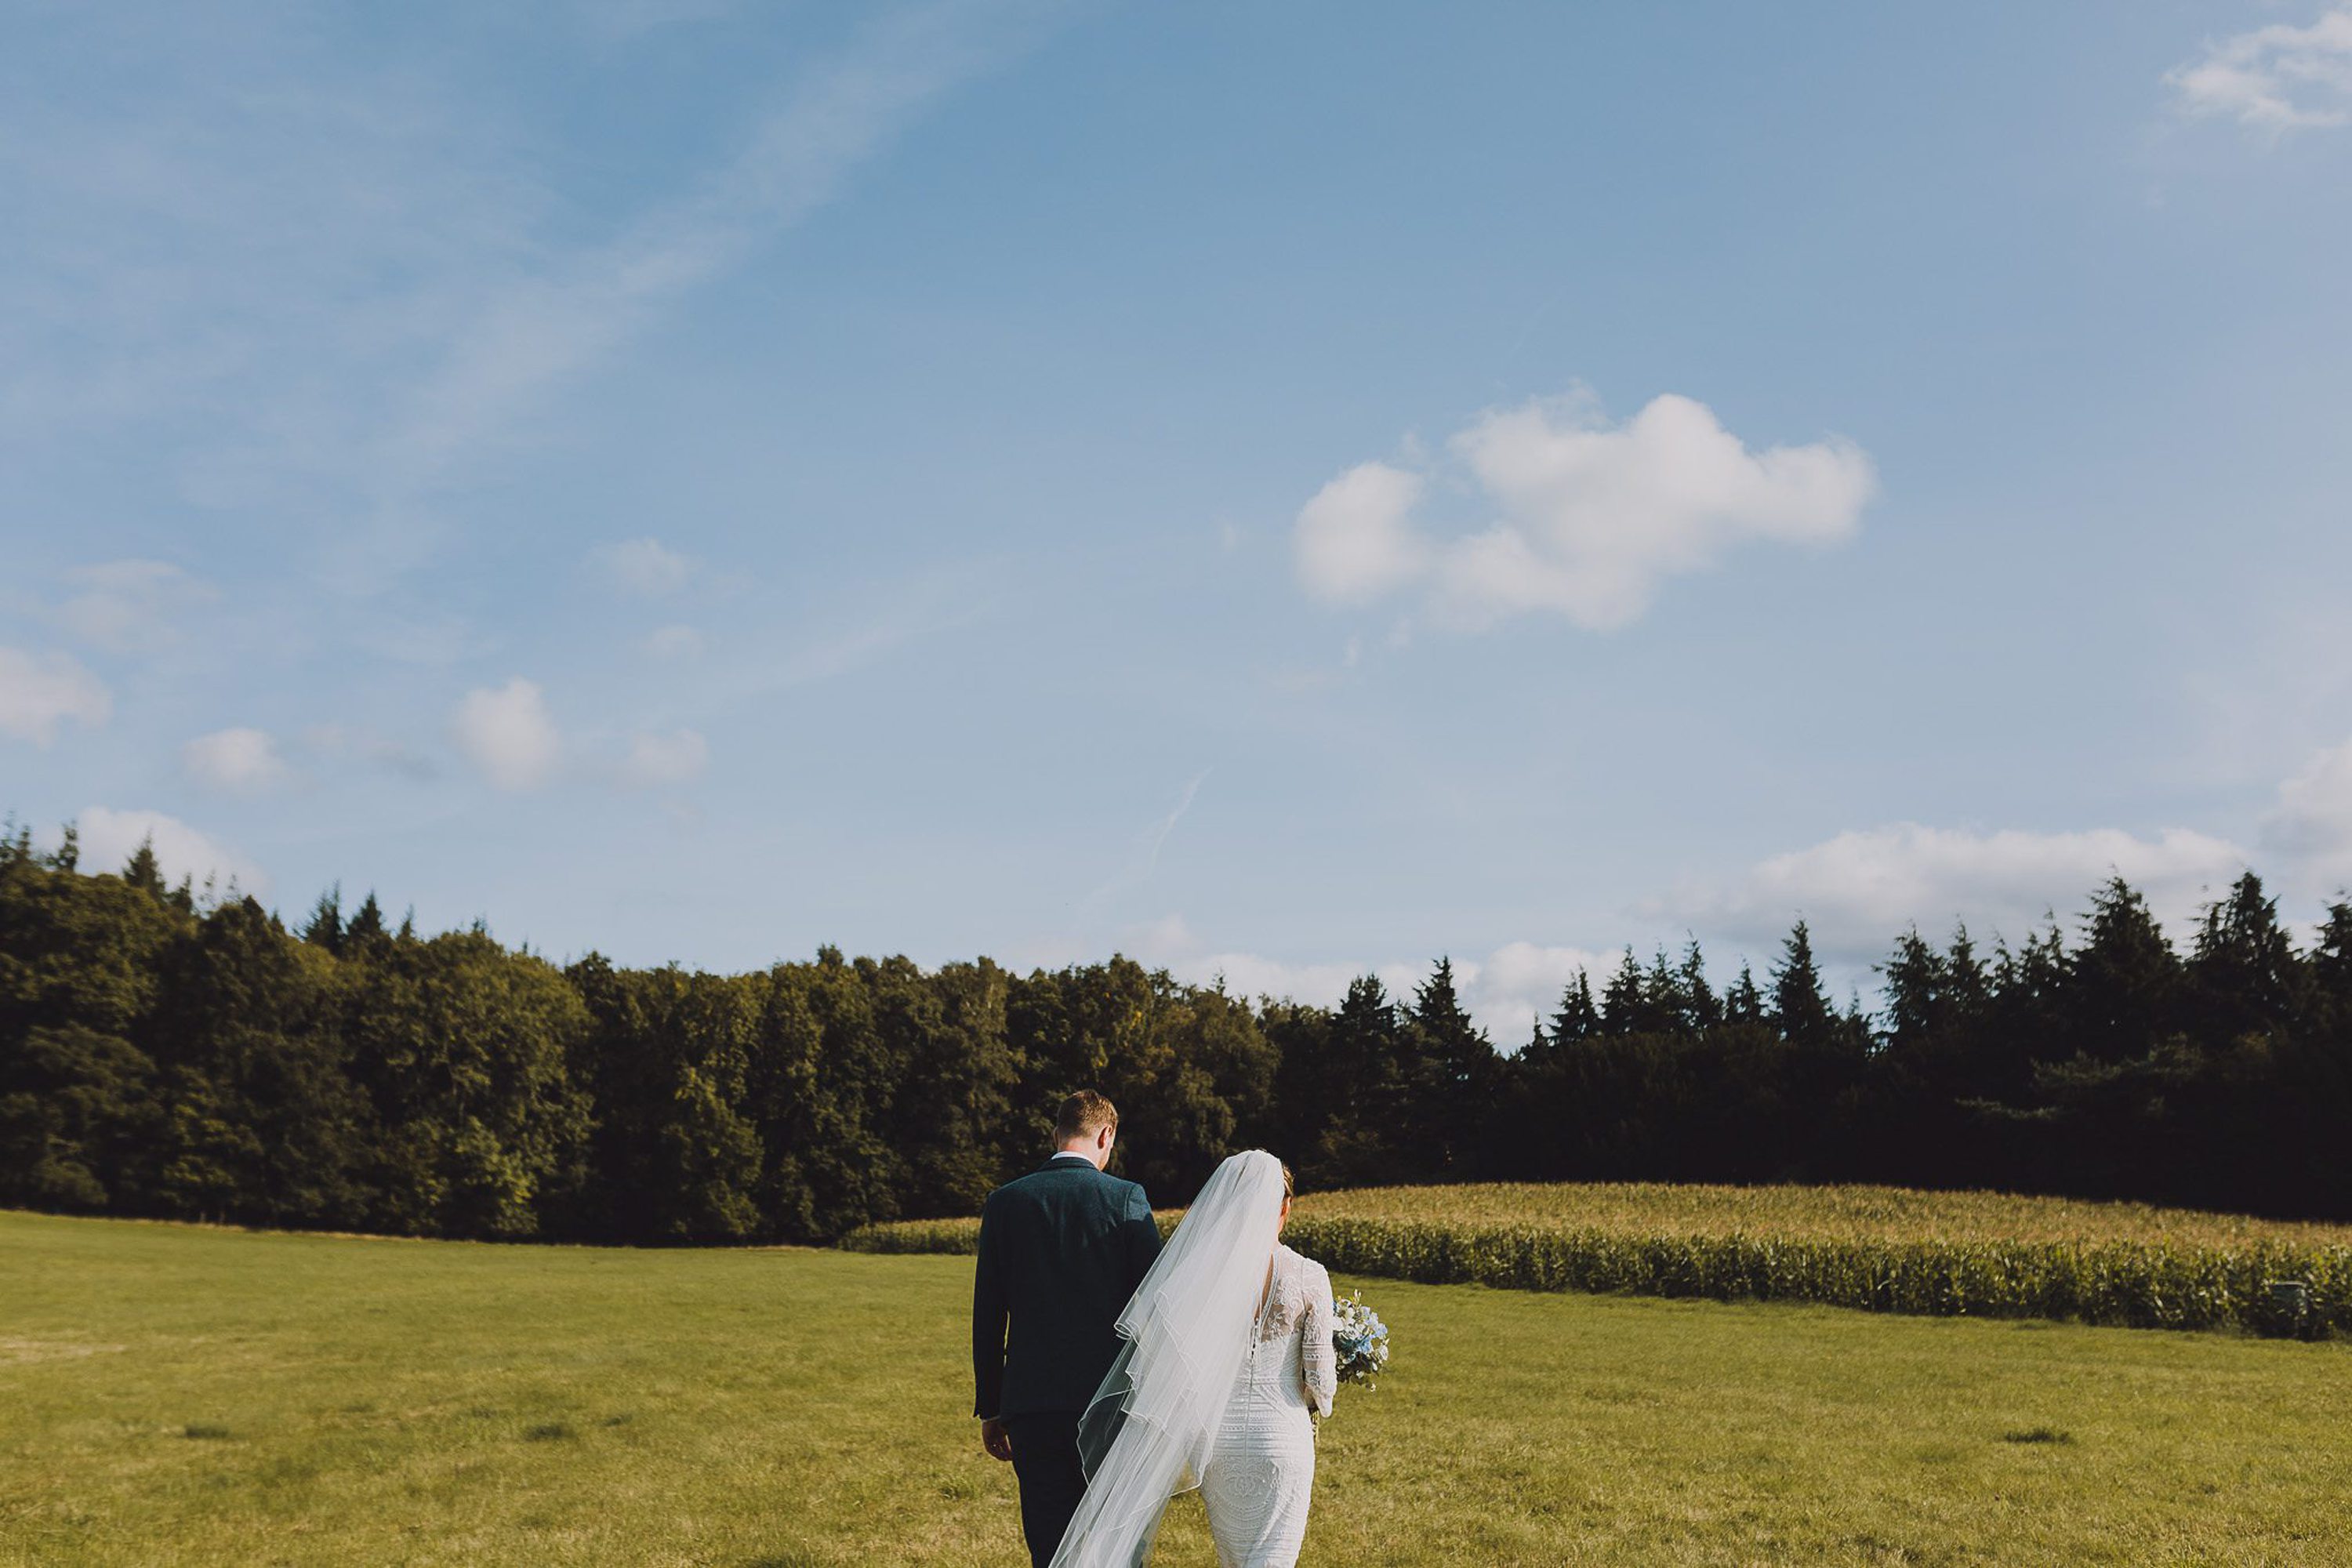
[1225,1360]
[1261,1474]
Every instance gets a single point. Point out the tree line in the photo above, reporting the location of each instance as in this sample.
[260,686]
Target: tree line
[163,1054]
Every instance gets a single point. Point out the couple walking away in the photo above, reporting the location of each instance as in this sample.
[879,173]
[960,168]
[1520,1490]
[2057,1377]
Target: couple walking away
[1115,1373]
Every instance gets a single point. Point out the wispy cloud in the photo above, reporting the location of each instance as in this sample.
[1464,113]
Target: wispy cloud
[574,309]
[315,282]
[1143,859]
[645,567]
[241,760]
[656,758]
[129,606]
[2273,79]
[40,692]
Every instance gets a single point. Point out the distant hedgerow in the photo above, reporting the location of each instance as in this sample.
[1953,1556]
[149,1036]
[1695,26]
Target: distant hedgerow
[1875,1249]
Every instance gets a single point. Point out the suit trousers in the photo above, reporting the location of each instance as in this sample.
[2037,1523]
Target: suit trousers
[1045,1462]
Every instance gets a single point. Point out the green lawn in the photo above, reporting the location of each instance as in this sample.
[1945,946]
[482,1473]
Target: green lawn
[172,1395]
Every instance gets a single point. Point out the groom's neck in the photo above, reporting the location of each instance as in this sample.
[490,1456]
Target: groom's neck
[1084,1148]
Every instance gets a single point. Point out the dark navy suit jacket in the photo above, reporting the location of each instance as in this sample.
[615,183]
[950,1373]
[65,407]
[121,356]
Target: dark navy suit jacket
[1061,1249]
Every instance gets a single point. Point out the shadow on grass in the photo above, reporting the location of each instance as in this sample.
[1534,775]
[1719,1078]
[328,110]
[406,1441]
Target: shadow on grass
[2037,1435]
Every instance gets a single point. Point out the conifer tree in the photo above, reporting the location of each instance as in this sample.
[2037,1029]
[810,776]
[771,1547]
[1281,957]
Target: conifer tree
[2125,979]
[1800,1007]
[325,926]
[1967,991]
[1625,1007]
[1458,1074]
[1701,1009]
[365,933]
[1915,989]
[144,872]
[1578,1019]
[2243,971]
[1742,1003]
[2331,967]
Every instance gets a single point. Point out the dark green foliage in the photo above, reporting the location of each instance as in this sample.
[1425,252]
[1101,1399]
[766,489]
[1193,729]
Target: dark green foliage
[1798,1006]
[159,1057]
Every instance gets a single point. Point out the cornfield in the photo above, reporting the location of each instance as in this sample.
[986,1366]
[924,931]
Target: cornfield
[1880,1249]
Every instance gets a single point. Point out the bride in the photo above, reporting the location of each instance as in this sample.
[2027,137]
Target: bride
[1227,1360]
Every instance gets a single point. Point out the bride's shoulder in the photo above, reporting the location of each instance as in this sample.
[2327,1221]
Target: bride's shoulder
[1299,1263]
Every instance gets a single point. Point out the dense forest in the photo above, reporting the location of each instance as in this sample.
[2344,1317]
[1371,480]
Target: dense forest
[167,1054]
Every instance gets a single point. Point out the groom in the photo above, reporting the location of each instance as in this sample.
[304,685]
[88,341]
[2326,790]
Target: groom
[1061,1249]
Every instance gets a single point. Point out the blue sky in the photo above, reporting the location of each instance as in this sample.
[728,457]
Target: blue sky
[1277,490]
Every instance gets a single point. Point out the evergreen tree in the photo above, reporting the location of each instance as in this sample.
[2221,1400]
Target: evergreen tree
[366,934]
[1800,1009]
[1701,1009]
[1966,989]
[1914,990]
[2331,967]
[1625,1005]
[1370,1107]
[1459,1074]
[1578,1019]
[1664,1008]
[325,926]
[2126,980]
[1742,1003]
[2243,973]
[144,872]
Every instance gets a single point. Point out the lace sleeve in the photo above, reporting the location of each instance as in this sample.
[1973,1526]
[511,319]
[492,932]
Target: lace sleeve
[1317,1359]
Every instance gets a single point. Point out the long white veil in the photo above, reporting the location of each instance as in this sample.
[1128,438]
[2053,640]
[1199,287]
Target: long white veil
[1153,1422]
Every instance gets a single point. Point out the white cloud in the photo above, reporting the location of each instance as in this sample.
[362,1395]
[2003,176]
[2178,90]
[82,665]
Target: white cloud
[507,733]
[109,839]
[2275,78]
[643,566]
[240,760]
[1520,982]
[37,694]
[1861,889]
[129,606]
[1590,518]
[673,642]
[2313,820]
[672,759]
[1505,993]
[1355,540]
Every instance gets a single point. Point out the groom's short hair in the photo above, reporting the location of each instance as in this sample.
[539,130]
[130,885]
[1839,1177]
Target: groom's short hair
[1083,1115]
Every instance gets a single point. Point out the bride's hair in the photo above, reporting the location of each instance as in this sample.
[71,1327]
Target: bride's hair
[1289,1187]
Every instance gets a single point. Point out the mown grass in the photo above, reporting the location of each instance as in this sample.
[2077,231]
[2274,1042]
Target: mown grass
[173,1395]
[1877,1248]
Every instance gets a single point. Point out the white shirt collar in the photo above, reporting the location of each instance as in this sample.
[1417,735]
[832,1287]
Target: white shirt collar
[1065,1154]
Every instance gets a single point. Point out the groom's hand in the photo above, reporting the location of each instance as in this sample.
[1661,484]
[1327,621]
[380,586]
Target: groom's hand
[996,1440]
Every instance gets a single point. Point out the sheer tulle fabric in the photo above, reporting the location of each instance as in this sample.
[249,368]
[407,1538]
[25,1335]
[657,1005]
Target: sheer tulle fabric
[1154,1423]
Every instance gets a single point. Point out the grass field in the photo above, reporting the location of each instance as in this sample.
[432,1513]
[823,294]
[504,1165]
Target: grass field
[174,1395]
[1877,1248]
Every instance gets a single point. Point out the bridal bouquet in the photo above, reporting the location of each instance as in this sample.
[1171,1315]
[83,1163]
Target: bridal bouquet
[1360,1338]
